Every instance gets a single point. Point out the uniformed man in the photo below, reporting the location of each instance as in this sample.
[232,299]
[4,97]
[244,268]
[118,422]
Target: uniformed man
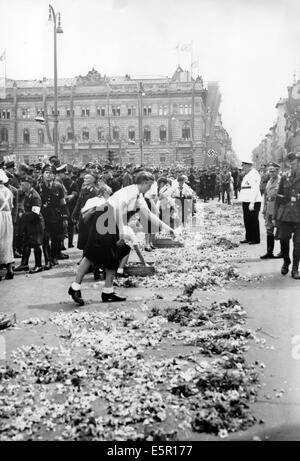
[268,210]
[55,215]
[287,215]
[72,193]
[31,227]
[127,179]
[251,200]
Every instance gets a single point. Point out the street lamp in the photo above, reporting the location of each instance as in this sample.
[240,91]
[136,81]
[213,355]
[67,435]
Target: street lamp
[141,94]
[56,30]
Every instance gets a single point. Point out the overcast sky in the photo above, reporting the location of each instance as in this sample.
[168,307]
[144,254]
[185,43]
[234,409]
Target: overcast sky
[252,47]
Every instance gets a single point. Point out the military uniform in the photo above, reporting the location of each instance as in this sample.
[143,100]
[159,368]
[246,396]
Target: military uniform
[287,216]
[250,194]
[268,213]
[54,212]
[72,192]
[31,231]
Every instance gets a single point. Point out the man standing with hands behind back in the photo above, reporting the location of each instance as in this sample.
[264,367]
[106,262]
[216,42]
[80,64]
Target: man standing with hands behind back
[287,214]
[250,197]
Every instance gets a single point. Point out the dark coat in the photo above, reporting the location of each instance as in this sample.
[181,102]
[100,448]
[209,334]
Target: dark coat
[287,203]
[31,224]
[84,196]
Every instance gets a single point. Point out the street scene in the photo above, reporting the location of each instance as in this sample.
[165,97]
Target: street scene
[149,235]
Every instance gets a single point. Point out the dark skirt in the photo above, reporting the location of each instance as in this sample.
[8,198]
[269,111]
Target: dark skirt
[102,247]
[83,233]
[32,229]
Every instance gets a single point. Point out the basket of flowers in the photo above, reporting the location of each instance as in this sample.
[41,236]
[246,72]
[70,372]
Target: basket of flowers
[138,270]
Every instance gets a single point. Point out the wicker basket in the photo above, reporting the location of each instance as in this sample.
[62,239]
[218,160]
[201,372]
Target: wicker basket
[140,271]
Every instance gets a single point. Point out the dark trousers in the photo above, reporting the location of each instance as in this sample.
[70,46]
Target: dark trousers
[251,222]
[37,255]
[52,251]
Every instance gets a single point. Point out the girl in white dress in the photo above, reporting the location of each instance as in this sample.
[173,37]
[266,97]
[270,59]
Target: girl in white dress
[6,226]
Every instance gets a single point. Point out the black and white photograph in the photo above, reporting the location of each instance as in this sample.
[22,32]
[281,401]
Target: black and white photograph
[149,223]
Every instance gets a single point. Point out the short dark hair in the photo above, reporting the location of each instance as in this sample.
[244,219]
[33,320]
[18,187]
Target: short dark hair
[144,176]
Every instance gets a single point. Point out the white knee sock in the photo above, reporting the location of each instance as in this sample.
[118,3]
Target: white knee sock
[108,290]
[76,286]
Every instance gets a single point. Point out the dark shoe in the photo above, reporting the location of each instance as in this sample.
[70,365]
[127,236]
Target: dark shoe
[148,249]
[278,256]
[71,246]
[21,268]
[76,296]
[153,247]
[63,248]
[54,262]
[295,274]
[253,243]
[285,268]
[63,256]
[244,241]
[17,255]
[47,266]
[267,256]
[9,276]
[111,298]
[35,270]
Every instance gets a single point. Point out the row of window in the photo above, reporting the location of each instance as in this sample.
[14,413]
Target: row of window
[115,111]
[5,114]
[116,134]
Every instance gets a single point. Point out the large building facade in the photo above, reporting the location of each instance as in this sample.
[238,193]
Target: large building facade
[284,134]
[142,120]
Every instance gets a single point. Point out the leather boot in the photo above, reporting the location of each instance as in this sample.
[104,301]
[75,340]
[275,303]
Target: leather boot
[285,249]
[24,262]
[270,248]
[295,267]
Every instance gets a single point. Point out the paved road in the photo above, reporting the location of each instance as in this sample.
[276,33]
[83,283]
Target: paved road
[273,305]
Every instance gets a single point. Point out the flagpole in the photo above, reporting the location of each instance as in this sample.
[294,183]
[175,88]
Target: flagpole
[192,45]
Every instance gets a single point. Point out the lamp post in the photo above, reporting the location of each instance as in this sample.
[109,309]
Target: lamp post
[141,94]
[56,30]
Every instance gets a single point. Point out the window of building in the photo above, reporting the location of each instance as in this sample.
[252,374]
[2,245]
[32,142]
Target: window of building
[131,134]
[4,135]
[85,134]
[162,133]
[181,109]
[103,111]
[70,134]
[116,133]
[25,113]
[100,132]
[41,137]
[116,111]
[186,131]
[68,112]
[85,112]
[131,111]
[160,110]
[147,110]
[26,136]
[52,111]
[147,134]
[5,114]
[162,159]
